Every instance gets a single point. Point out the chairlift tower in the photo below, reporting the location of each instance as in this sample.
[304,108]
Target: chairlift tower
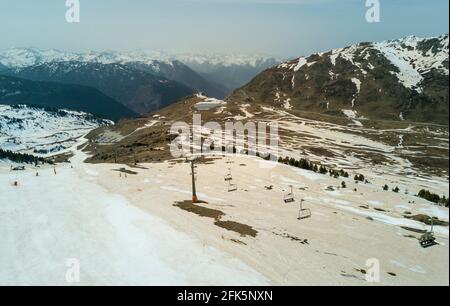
[228,177]
[194,189]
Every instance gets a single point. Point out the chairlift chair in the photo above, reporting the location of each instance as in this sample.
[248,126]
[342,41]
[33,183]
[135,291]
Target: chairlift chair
[303,213]
[228,177]
[232,187]
[428,240]
[289,198]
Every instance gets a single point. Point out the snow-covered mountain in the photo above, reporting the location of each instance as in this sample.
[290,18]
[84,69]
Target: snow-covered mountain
[19,61]
[404,79]
[24,57]
[412,58]
[214,74]
[43,131]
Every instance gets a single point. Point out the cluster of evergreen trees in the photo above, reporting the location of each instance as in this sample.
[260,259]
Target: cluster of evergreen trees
[432,197]
[396,189]
[337,174]
[22,158]
[360,178]
[308,165]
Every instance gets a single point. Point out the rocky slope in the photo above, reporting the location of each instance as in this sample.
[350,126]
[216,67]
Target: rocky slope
[379,147]
[405,79]
[179,72]
[137,90]
[230,71]
[15,91]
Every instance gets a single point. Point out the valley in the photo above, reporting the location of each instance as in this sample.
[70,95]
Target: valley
[167,74]
[407,148]
[360,174]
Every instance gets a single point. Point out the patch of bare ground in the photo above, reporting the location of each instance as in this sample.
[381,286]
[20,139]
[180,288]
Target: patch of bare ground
[242,229]
[207,160]
[200,210]
[319,151]
[123,170]
[430,166]
[372,157]
[217,215]
[288,134]
[410,236]
[61,158]
[427,220]
[414,230]
[316,116]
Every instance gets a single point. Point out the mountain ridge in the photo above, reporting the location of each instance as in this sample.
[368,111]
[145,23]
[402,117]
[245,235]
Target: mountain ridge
[216,75]
[15,91]
[403,79]
[29,56]
[137,90]
[361,127]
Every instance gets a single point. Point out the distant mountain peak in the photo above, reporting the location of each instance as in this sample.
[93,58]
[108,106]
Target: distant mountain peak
[23,57]
[218,75]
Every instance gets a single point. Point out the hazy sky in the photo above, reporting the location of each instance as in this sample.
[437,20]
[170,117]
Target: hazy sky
[282,28]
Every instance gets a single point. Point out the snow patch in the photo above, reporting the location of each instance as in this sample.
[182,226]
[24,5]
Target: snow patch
[357,82]
[301,62]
